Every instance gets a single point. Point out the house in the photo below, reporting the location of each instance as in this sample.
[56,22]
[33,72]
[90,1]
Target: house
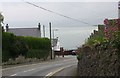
[55,44]
[32,32]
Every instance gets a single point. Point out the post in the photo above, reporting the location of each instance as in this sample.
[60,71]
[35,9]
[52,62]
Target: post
[39,28]
[50,40]
[43,30]
[62,52]
[119,10]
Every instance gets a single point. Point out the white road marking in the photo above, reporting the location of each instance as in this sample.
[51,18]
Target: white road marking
[23,71]
[13,75]
[49,74]
[57,64]
[52,73]
[22,66]
[31,65]
[29,70]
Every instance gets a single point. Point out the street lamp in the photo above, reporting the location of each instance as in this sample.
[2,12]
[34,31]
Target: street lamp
[54,32]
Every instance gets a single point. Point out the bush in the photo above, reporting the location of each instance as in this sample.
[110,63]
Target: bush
[5,55]
[19,47]
[14,46]
[37,43]
[7,41]
[38,47]
[36,53]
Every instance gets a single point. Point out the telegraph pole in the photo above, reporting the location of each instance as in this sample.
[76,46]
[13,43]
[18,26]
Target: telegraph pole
[43,30]
[39,28]
[50,40]
[119,10]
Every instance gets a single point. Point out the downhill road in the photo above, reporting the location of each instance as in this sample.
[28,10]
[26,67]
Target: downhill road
[44,69]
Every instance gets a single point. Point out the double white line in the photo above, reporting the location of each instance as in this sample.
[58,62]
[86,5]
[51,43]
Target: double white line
[54,72]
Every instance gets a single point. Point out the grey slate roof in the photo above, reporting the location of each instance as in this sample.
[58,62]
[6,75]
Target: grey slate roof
[32,32]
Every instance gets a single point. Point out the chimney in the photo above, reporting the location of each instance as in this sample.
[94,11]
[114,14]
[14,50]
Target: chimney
[119,10]
[7,27]
[39,26]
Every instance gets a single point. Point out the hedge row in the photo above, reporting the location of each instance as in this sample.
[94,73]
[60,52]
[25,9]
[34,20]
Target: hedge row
[30,47]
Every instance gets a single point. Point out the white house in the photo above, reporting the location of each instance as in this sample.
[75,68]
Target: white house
[55,44]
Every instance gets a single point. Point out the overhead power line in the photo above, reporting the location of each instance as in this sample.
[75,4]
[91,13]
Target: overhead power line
[57,13]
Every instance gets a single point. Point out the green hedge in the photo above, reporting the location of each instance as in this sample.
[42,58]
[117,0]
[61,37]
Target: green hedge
[36,53]
[7,41]
[30,47]
[37,43]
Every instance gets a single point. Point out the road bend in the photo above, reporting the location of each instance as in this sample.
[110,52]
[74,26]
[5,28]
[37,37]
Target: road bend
[48,68]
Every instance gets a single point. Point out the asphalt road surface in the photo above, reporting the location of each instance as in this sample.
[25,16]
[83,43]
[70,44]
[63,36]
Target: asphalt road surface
[64,65]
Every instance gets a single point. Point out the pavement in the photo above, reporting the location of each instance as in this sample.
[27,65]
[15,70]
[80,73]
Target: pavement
[0,71]
[59,67]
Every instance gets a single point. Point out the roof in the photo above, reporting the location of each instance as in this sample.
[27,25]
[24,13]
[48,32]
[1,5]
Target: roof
[32,32]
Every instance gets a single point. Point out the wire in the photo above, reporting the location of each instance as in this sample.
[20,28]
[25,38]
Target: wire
[58,13]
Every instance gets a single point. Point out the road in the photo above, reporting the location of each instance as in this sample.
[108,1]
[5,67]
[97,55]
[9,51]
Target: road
[44,69]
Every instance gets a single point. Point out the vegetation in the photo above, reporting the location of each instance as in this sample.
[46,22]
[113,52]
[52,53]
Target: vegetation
[14,47]
[29,47]
[107,36]
[101,53]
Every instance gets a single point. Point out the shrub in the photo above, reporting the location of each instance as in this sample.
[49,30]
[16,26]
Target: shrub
[36,53]
[5,55]
[7,42]
[37,43]
[13,46]
[19,47]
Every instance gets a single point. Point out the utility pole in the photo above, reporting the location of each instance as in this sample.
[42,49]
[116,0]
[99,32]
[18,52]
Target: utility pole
[39,28]
[50,39]
[119,10]
[53,34]
[43,30]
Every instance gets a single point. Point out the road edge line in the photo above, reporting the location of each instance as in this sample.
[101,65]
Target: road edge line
[54,72]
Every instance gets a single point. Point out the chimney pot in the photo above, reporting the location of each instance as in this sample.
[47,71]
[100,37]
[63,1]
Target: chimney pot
[39,26]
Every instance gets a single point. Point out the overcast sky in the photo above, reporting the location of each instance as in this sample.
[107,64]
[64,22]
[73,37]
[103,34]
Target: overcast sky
[21,14]
[60,0]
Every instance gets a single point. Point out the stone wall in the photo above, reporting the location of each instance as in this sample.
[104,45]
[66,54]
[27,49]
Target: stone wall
[98,62]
